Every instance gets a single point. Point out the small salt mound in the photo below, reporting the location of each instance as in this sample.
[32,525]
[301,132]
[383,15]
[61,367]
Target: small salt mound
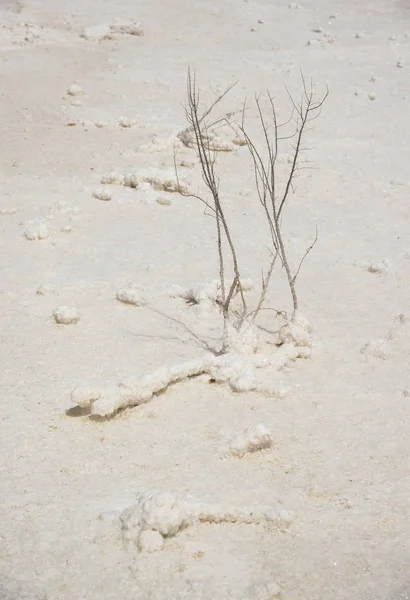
[158,515]
[84,396]
[150,541]
[37,230]
[131,295]
[126,122]
[113,178]
[158,512]
[160,181]
[64,315]
[75,90]
[102,194]
[257,437]
[296,332]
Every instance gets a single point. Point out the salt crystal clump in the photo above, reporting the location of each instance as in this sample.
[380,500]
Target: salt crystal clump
[208,294]
[64,315]
[238,370]
[164,181]
[257,437]
[113,178]
[37,230]
[246,381]
[126,123]
[158,512]
[242,340]
[131,180]
[158,515]
[231,368]
[215,139]
[150,541]
[139,390]
[126,179]
[378,267]
[82,396]
[102,194]
[75,90]
[109,397]
[296,332]
[394,343]
[132,295]
[301,321]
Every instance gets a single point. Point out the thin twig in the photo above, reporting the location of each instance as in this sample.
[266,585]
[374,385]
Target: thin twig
[304,256]
[265,169]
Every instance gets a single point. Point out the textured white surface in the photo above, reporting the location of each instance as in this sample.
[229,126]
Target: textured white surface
[102,193]
[66,315]
[257,437]
[341,434]
[37,230]
[132,295]
[158,515]
[237,370]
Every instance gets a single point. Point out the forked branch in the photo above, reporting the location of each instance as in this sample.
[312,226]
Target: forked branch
[265,169]
[199,126]
[272,196]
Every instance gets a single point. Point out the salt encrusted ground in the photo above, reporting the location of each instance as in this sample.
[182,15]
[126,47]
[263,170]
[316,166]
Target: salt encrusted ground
[75,109]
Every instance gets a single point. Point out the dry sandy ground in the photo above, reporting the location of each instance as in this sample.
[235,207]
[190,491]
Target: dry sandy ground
[340,458]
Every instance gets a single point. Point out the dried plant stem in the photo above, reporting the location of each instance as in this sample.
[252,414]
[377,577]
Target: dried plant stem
[264,161]
[265,170]
[199,127]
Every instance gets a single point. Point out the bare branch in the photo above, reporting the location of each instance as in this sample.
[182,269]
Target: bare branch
[199,126]
[267,184]
[303,113]
[304,256]
[264,286]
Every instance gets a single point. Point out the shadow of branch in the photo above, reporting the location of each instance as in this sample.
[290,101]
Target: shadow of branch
[199,341]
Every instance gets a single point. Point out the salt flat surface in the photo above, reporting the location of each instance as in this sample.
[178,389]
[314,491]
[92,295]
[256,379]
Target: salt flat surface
[92,88]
